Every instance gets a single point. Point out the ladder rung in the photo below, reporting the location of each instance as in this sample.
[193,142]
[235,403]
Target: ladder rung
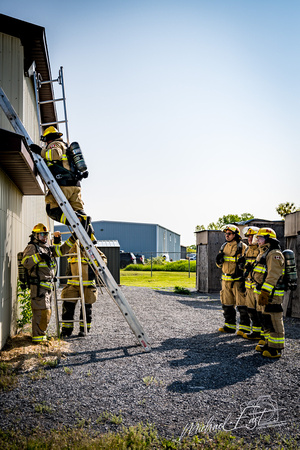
[44,102]
[54,123]
[70,321]
[68,299]
[67,276]
[49,81]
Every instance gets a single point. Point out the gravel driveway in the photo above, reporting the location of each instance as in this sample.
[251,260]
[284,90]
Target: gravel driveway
[193,375]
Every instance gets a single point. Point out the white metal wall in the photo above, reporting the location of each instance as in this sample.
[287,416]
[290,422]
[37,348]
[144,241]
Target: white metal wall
[11,75]
[18,213]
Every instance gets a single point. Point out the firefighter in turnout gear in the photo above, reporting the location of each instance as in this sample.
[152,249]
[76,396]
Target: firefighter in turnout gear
[254,310]
[56,156]
[267,273]
[72,290]
[39,261]
[232,293]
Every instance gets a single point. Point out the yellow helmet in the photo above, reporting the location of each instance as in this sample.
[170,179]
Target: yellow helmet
[40,228]
[267,233]
[232,228]
[250,231]
[50,130]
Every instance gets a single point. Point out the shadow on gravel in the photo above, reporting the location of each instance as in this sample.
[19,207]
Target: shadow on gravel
[102,355]
[217,361]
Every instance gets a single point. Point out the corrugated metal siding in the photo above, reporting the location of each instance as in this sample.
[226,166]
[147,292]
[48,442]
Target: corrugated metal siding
[18,215]
[30,119]
[11,75]
[133,237]
[140,238]
[168,242]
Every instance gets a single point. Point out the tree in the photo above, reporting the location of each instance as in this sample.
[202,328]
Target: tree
[284,209]
[225,220]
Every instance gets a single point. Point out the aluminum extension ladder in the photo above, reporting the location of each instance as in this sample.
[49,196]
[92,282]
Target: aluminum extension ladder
[101,271]
[38,82]
[81,291]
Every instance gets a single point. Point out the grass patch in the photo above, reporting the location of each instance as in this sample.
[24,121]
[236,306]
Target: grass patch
[21,355]
[135,437]
[158,280]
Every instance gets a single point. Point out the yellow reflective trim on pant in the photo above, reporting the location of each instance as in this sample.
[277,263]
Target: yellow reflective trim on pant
[256,291]
[64,158]
[85,283]
[39,338]
[267,287]
[73,260]
[274,340]
[260,269]
[67,325]
[46,285]
[256,329]
[230,325]
[248,285]
[228,278]
[244,328]
[88,325]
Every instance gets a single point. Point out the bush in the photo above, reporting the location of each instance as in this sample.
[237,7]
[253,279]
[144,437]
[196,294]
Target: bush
[25,302]
[175,266]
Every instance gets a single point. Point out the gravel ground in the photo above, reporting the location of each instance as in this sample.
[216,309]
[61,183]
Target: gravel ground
[193,375]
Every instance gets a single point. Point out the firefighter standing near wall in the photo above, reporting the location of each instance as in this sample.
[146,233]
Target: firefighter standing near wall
[254,310]
[67,177]
[39,260]
[72,290]
[268,274]
[232,293]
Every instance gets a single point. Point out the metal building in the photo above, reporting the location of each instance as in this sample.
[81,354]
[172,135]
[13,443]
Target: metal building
[22,201]
[142,238]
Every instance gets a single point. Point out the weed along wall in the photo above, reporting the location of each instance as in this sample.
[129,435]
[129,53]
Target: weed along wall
[207,273]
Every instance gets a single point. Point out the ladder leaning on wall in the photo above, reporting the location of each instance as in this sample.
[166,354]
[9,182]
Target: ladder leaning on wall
[100,269]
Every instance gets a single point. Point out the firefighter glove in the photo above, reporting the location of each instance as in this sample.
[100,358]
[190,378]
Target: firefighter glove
[263,298]
[35,148]
[241,262]
[220,259]
[57,238]
[45,257]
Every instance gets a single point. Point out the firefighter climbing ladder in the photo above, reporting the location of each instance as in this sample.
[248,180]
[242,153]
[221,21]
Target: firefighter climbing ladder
[90,250]
[81,291]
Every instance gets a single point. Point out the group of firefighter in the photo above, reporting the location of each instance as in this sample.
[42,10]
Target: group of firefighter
[251,274]
[39,257]
[252,285]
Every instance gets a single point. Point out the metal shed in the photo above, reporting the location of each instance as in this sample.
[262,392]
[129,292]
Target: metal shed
[111,250]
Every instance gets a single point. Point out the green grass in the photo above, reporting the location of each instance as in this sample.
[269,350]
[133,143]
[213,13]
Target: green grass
[140,437]
[158,280]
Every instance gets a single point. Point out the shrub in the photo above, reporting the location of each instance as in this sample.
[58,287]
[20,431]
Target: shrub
[25,302]
[175,266]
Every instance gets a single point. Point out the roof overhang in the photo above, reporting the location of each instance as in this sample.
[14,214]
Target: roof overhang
[16,162]
[33,39]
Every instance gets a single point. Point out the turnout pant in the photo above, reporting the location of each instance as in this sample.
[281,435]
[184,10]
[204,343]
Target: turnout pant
[41,312]
[68,308]
[232,295]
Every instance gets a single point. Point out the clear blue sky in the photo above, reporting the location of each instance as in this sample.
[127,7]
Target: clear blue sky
[185,110]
